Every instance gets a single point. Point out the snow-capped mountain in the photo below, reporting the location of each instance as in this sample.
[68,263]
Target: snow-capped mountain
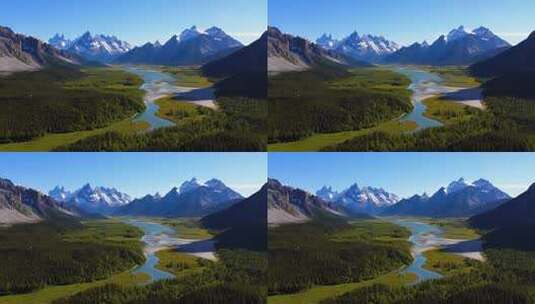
[458,199]
[60,42]
[367,47]
[190,47]
[192,198]
[458,47]
[287,205]
[19,52]
[97,200]
[327,193]
[98,47]
[19,204]
[327,41]
[356,200]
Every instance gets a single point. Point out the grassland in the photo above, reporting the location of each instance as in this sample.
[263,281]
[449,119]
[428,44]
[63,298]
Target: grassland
[51,293]
[455,76]
[317,142]
[49,142]
[190,77]
[187,228]
[179,112]
[179,264]
[447,263]
[455,228]
[448,112]
[329,100]
[317,294]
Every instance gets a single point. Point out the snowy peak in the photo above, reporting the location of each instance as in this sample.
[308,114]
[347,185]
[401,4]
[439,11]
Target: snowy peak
[327,194]
[364,47]
[87,198]
[457,33]
[456,186]
[327,42]
[98,47]
[190,185]
[359,199]
[190,33]
[60,42]
[59,194]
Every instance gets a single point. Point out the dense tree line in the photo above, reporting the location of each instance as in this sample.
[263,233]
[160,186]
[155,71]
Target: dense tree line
[508,276]
[239,125]
[35,255]
[239,277]
[508,124]
[65,99]
[304,255]
[328,99]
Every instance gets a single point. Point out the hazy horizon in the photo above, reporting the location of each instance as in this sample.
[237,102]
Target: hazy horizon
[403,23]
[136,174]
[136,22]
[404,174]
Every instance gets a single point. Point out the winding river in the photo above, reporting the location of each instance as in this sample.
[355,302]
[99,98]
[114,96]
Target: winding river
[156,236]
[423,237]
[159,237]
[157,85]
[423,85]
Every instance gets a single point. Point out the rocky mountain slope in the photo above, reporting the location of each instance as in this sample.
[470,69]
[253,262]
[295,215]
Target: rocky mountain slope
[192,199]
[459,199]
[191,47]
[459,47]
[25,53]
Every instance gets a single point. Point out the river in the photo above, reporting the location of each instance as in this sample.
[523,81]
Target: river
[157,85]
[423,237]
[158,237]
[423,85]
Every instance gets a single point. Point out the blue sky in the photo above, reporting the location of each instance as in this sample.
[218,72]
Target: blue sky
[136,21]
[137,174]
[404,21]
[405,174]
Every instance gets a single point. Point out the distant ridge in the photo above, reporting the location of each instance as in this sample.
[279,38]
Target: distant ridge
[520,58]
[192,47]
[459,47]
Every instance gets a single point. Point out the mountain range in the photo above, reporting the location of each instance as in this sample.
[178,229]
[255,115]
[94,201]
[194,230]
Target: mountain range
[24,205]
[287,53]
[192,199]
[459,199]
[95,48]
[100,200]
[287,205]
[519,211]
[25,53]
[520,58]
[242,73]
[191,47]
[459,47]
[357,200]
[244,224]
[367,47]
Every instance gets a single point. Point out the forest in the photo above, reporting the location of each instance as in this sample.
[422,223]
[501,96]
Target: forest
[331,99]
[64,99]
[508,276]
[238,125]
[64,251]
[333,252]
[507,125]
[238,277]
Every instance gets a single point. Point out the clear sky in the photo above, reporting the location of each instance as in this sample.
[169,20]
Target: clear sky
[404,174]
[136,21]
[404,21]
[137,174]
